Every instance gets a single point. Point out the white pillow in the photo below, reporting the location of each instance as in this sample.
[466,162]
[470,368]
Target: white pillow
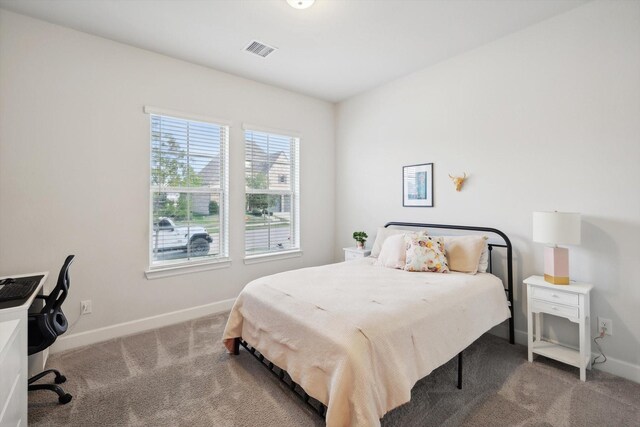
[394,252]
[483,264]
[381,236]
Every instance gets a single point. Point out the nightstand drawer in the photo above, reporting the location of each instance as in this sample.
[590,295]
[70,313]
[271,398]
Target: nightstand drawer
[353,253]
[557,297]
[557,309]
[348,256]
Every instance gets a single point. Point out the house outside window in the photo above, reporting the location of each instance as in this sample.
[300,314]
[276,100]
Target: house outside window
[189,191]
[272,194]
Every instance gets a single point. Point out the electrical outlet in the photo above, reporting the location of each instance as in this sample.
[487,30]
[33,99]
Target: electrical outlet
[605,324]
[85,307]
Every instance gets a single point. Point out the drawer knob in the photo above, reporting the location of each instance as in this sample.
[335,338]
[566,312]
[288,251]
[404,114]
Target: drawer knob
[554,308]
[554,295]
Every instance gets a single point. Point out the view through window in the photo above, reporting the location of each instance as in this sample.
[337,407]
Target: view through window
[188,190]
[272,193]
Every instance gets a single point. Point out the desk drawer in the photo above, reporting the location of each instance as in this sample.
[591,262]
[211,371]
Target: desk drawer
[13,412]
[556,297]
[10,364]
[557,309]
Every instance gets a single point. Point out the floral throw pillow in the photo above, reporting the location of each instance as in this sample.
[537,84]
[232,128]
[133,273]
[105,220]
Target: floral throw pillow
[425,253]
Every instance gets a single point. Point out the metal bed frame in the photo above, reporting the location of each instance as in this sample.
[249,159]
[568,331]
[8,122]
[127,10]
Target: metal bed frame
[507,245]
[319,407]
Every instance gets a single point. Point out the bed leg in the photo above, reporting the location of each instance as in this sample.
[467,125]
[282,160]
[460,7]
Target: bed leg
[512,338]
[460,371]
[236,346]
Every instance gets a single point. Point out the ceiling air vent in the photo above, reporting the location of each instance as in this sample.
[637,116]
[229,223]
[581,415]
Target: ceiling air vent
[259,49]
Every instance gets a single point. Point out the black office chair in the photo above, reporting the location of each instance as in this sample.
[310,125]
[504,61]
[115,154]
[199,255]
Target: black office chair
[46,326]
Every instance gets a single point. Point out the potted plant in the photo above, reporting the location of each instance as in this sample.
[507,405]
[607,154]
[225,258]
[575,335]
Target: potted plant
[360,238]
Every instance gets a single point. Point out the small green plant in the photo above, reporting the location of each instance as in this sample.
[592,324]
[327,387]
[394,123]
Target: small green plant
[360,236]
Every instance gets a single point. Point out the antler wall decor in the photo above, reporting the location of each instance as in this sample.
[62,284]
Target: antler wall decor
[458,181]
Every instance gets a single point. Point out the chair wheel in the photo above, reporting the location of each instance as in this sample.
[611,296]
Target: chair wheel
[66,398]
[60,379]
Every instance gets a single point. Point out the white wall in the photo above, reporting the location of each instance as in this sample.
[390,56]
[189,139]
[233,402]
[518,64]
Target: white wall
[74,167]
[545,119]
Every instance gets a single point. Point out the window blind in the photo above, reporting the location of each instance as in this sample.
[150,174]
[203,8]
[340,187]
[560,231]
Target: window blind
[189,190]
[272,193]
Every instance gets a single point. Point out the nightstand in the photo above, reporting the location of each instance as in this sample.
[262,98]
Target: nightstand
[355,253]
[568,301]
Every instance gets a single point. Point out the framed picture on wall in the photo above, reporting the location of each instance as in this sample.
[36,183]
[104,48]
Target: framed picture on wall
[417,185]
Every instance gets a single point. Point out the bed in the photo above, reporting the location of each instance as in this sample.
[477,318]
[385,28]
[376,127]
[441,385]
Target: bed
[356,337]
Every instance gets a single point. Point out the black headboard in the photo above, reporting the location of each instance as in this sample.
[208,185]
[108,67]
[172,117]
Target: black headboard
[506,244]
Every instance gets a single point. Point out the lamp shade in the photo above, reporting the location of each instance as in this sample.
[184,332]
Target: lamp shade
[556,228]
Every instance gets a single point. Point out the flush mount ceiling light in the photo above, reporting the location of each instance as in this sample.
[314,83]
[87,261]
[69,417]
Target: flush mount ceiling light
[300,4]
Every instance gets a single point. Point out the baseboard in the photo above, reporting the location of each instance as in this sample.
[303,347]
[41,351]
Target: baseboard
[620,368]
[79,339]
[612,365]
[502,331]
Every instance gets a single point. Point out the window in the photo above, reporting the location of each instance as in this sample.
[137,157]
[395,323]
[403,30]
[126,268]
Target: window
[189,191]
[272,193]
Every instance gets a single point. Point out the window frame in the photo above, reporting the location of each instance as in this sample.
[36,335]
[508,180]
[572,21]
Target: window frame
[294,193]
[184,265]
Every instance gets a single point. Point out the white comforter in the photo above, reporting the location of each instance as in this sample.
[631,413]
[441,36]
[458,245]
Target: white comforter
[357,337]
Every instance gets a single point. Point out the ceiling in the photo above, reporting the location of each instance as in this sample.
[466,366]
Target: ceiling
[332,51]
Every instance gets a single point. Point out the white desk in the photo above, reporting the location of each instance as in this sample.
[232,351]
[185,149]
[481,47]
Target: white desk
[14,364]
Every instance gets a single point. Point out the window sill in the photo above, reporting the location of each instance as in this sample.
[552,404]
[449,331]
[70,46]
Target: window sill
[175,270]
[255,259]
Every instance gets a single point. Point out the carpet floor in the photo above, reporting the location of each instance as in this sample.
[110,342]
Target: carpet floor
[181,376]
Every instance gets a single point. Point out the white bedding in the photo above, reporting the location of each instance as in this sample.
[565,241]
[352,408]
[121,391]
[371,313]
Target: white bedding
[357,337]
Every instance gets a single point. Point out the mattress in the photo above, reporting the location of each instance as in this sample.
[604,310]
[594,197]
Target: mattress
[357,336]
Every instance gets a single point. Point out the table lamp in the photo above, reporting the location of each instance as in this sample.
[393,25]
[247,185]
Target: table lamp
[553,229]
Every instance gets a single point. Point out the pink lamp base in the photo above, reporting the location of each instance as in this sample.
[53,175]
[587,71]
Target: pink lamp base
[556,265]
